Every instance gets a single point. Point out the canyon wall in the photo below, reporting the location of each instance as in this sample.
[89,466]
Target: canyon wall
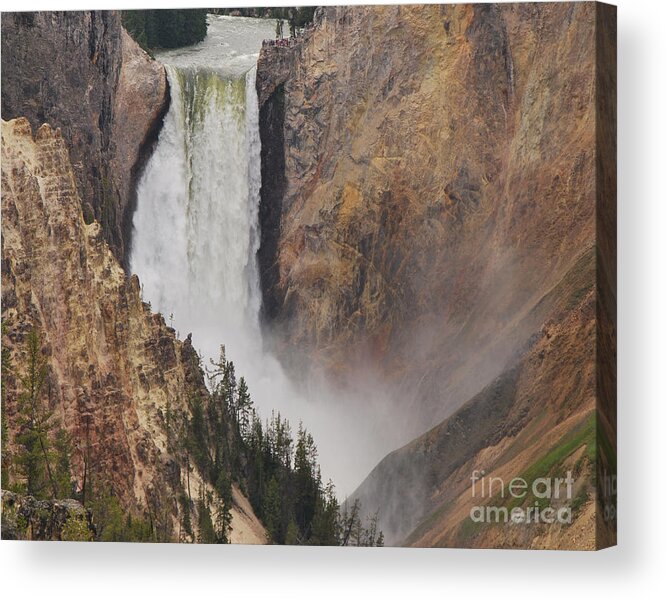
[430,197]
[116,373]
[438,180]
[82,73]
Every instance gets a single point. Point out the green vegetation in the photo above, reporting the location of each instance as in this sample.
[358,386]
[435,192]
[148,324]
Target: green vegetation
[42,457]
[548,465]
[76,530]
[584,434]
[279,474]
[606,447]
[468,530]
[169,28]
[4,434]
[579,500]
[174,28]
[114,524]
[40,467]
[217,438]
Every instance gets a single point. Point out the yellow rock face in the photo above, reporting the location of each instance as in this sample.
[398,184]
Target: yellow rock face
[112,364]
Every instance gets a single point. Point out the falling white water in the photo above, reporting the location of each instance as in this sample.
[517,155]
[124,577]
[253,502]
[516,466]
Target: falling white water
[196,236]
[195,227]
[196,233]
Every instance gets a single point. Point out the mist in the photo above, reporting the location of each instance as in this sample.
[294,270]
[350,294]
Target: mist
[194,247]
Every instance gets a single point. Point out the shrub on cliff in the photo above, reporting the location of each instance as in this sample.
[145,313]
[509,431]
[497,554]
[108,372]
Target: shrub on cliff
[76,529]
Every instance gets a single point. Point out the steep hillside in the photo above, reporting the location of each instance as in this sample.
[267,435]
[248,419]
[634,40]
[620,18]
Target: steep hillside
[117,377]
[81,72]
[535,420]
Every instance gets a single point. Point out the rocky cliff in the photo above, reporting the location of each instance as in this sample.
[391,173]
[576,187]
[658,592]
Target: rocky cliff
[25,518]
[429,202]
[82,73]
[116,373]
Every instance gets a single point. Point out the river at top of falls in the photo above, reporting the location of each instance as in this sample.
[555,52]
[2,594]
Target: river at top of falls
[196,235]
[231,46]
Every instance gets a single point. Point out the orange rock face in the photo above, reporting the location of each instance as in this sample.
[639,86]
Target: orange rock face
[437,177]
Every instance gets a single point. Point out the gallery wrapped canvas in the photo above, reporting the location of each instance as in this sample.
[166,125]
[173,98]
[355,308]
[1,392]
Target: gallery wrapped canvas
[311,275]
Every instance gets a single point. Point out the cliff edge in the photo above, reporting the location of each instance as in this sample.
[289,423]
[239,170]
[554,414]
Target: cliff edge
[81,72]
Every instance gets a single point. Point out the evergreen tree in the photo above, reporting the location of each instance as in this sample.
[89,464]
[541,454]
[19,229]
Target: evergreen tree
[37,456]
[112,522]
[229,387]
[243,407]
[325,527]
[62,450]
[348,520]
[4,435]
[199,435]
[207,533]
[186,521]
[224,516]
[305,481]
[171,28]
[272,511]
[292,537]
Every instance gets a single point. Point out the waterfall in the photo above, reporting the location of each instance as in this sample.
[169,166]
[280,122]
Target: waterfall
[196,231]
[196,235]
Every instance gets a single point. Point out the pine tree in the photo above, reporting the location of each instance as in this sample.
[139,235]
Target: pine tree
[199,435]
[256,461]
[348,520]
[37,456]
[325,527]
[243,407]
[272,511]
[224,517]
[292,538]
[206,530]
[4,435]
[229,387]
[305,481]
[62,471]
[186,521]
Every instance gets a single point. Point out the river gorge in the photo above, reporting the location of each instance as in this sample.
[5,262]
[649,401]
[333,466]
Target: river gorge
[374,221]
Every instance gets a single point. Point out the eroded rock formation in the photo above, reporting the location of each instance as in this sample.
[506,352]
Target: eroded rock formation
[114,368]
[26,518]
[425,212]
[82,73]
